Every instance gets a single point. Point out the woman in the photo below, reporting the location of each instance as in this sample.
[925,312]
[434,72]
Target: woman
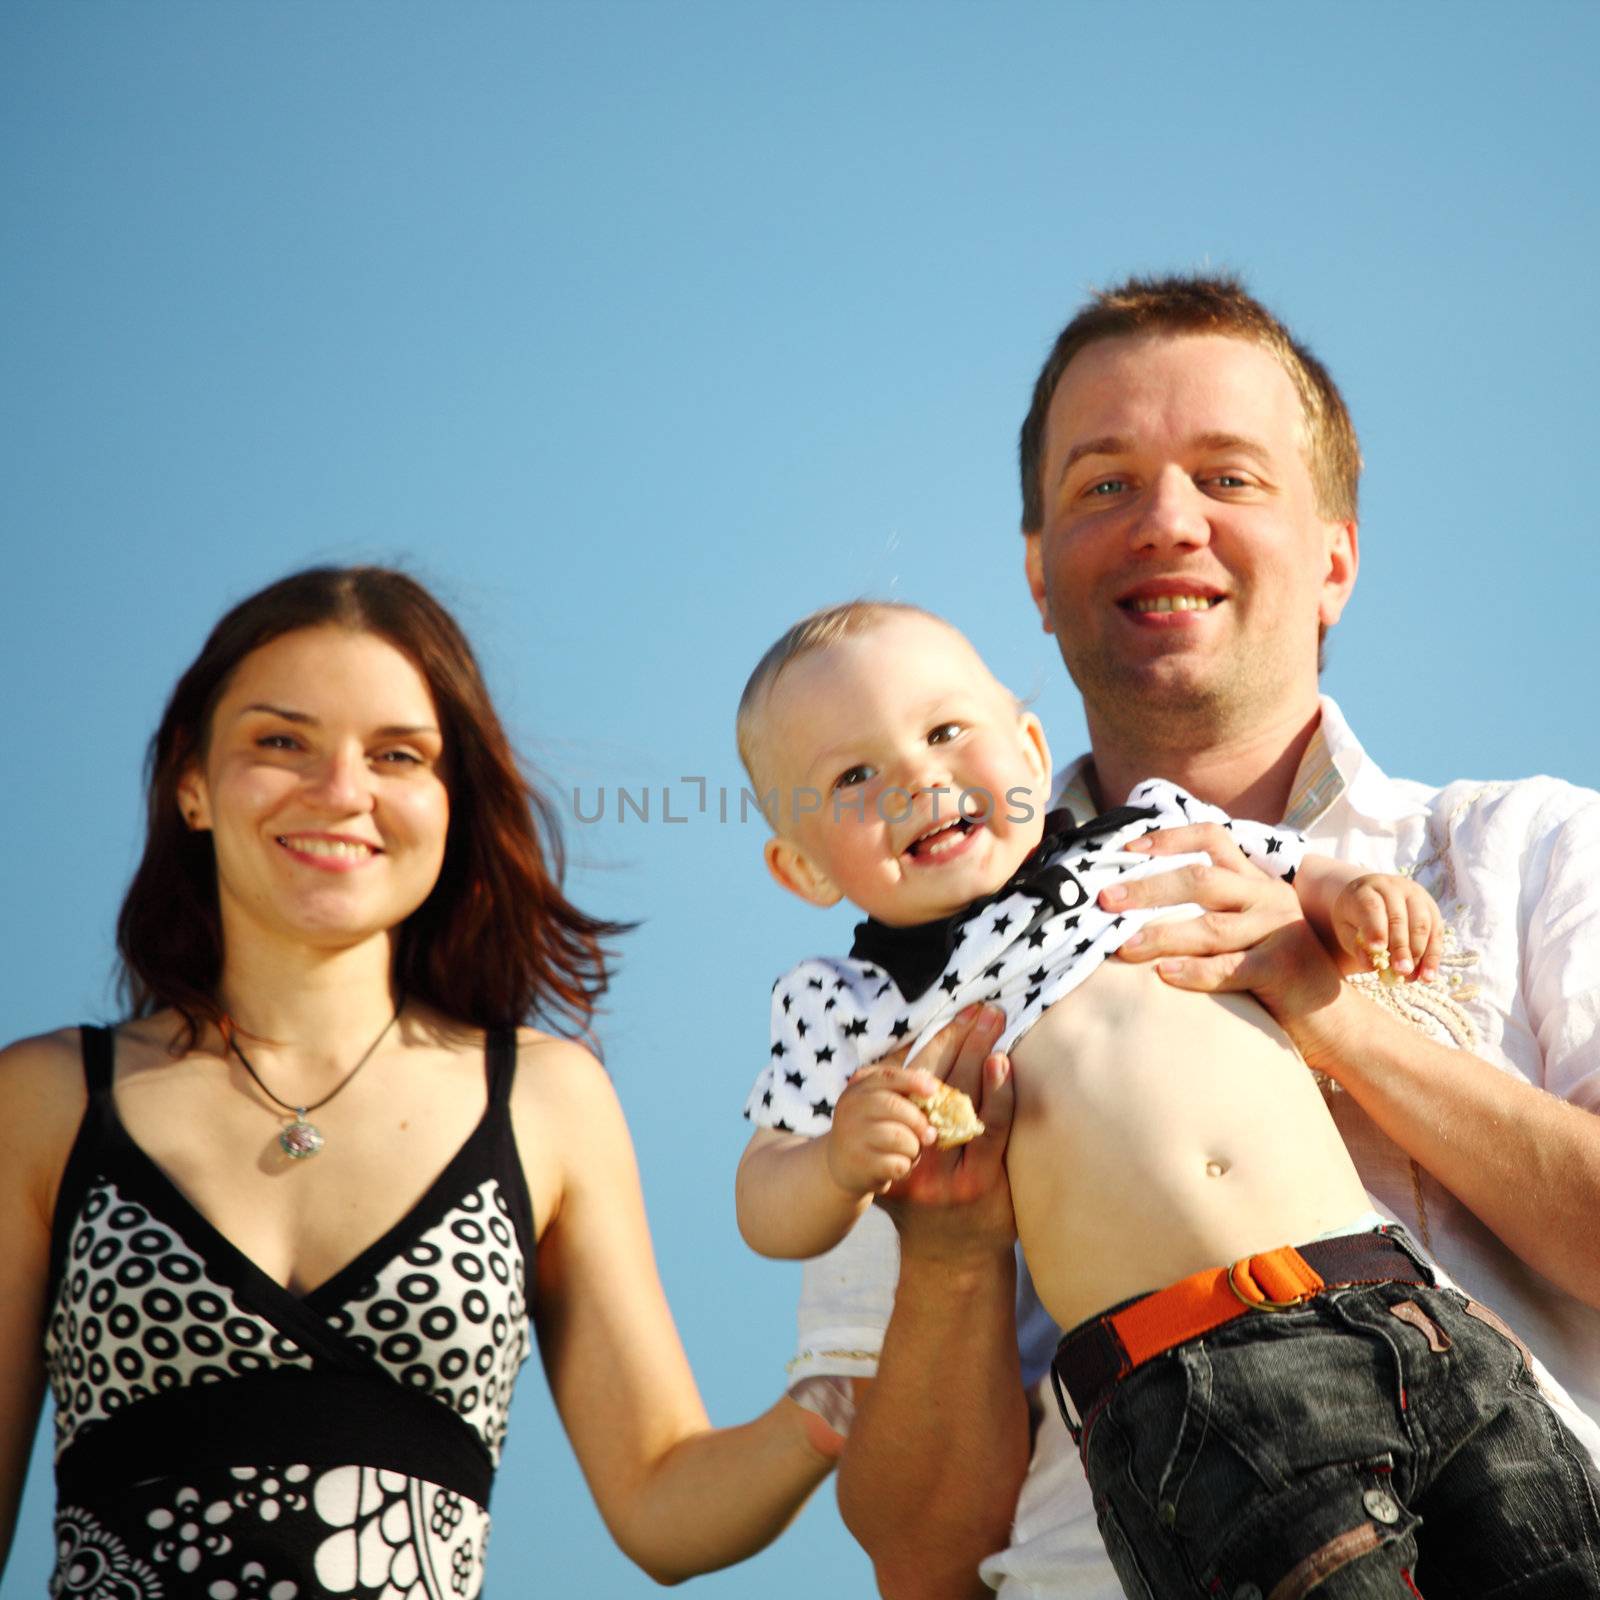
[275,1240]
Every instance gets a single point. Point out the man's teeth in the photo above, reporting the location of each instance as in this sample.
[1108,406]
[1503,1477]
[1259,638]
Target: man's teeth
[1174,602]
[334,849]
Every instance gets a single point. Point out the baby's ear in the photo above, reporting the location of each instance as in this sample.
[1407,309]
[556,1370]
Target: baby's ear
[1034,742]
[798,873]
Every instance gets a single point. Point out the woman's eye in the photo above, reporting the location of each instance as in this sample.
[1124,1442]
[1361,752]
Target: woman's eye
[278,741]
[399,758]
[944,733]
[852,777]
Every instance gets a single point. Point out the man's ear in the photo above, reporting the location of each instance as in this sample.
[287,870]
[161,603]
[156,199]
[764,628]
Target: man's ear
[1344,559]
[1033,566]
[798,873]
[194,801]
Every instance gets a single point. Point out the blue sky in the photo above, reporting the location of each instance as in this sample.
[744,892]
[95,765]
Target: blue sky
[640,329]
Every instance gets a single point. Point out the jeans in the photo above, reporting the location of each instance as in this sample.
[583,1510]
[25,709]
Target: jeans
[1376,1440]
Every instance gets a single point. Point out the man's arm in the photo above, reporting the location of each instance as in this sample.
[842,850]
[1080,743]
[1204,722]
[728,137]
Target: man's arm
[939,1447]
[1526,1162]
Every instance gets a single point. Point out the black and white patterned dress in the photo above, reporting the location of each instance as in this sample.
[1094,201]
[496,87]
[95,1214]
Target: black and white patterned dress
[218,1436]
[1022,948]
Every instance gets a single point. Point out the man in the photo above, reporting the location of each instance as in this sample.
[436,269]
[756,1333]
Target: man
[1189,486]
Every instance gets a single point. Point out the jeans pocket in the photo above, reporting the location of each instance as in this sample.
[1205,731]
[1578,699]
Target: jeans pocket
[1146,1435]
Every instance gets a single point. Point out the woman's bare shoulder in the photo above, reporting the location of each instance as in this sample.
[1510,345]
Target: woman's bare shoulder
[42,1096]
[43,1065]
[568,1125]
[551,1066]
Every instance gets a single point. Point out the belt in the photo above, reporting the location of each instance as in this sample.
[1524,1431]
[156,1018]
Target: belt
[1097,1355]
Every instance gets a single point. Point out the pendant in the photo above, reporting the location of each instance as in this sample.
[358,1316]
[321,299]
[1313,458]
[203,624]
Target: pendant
[300,1139]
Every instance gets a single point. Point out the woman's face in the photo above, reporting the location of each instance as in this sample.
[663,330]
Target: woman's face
[322,789]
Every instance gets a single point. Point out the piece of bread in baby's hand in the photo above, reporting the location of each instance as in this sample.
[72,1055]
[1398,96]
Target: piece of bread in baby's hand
[952,1114]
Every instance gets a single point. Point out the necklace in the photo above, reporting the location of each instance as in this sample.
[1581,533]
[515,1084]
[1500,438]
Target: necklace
[298,1138]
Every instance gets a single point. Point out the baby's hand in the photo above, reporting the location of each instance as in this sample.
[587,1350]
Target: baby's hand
[1389,925]
[877,1134]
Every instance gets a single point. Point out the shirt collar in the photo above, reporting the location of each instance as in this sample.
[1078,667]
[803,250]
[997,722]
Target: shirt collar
[914,956]
[1326,771]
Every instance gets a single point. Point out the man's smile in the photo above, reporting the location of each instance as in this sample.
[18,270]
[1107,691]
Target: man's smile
[1173,602]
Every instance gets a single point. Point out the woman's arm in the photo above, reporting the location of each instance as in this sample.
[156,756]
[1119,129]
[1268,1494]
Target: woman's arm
[678,1496]
[41,1104]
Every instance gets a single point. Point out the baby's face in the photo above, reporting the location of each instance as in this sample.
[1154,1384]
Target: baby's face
[909,783]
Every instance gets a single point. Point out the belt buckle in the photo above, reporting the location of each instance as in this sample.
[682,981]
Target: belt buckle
[1263,1304]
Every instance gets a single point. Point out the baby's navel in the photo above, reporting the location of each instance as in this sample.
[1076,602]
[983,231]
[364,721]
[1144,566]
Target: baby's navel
[1215,1168]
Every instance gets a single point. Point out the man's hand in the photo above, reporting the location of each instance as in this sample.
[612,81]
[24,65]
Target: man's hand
[1253,934]
[955,1205]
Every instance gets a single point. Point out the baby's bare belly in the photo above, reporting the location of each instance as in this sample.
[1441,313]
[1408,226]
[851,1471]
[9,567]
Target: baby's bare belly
[1159,1132]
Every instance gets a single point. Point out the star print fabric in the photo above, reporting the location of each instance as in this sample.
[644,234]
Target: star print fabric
[1023,950]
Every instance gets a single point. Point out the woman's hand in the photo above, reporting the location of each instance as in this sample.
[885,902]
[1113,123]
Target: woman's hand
[824,1442]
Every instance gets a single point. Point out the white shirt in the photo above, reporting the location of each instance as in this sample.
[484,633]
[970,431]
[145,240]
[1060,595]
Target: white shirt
[1515,868]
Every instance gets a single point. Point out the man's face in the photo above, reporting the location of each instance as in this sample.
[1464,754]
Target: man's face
[1182,564]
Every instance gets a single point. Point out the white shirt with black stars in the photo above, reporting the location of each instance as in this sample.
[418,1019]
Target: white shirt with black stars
[1023,950]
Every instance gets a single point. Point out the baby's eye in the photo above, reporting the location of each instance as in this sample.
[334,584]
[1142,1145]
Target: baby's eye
[945,732]
[853,777]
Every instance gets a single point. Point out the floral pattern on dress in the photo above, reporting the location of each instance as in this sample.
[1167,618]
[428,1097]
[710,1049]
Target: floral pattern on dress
[92,1563]
[253,1584]
[188,1531]
[398,1537]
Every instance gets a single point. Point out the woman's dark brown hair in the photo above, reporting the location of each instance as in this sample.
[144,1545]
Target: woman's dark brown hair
[495,944]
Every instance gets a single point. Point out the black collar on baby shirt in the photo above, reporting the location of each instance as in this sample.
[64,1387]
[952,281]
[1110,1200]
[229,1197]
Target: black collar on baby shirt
[915,956]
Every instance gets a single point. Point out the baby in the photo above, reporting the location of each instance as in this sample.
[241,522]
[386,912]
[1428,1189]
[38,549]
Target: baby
[1172,1164]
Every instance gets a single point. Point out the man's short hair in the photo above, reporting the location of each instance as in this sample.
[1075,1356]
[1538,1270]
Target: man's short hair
[1187,304]
[820,631]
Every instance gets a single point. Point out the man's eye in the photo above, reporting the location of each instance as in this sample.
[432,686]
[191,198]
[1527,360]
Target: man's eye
[1105,488]
[853,777]
[945,732]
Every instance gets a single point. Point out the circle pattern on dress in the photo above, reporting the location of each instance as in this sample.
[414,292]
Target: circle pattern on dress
[453,1303]
[137,1299]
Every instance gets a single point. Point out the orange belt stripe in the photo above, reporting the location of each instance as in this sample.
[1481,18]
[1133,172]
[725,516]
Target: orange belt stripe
[1205,1300]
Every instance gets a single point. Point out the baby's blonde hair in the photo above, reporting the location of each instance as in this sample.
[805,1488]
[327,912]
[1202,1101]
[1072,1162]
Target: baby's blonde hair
[820,631]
